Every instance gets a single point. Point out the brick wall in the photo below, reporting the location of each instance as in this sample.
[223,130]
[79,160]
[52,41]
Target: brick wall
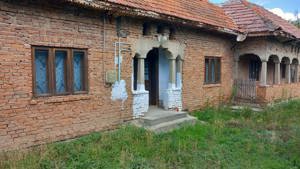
[269,94]
[27,121]
[195,93]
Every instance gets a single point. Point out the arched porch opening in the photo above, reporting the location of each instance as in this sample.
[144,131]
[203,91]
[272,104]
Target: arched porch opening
[158,75]
[249,67]
[272,70]
[152,76]
[285,67]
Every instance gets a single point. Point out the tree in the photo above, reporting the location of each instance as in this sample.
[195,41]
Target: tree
[297,21]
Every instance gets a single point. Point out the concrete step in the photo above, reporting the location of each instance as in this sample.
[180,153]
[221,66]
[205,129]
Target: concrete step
[159,118]
[254,109]
[171,125]
[248,103]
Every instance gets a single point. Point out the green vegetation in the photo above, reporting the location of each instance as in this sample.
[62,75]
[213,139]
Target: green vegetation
[297,23]
[241,139]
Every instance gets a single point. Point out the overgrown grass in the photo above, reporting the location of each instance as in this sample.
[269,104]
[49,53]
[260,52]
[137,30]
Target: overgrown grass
[230,139]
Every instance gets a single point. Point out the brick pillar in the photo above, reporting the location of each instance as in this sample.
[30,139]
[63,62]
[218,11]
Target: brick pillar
[277,73]
[141,75]
[263,73]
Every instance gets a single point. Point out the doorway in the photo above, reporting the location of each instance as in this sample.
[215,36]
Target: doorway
[152,76]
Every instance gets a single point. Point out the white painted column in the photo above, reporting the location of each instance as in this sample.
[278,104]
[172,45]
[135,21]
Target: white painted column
[288,73]
[172,74]
[277,73]
[179,73]
[140,96]
[141,75]
[263,73]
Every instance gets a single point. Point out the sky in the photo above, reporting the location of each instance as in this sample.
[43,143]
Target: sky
[284,8]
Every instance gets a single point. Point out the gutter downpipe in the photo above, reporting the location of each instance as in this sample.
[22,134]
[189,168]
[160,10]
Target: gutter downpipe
[119,61]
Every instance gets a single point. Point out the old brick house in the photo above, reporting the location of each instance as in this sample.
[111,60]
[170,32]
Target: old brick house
[71,67]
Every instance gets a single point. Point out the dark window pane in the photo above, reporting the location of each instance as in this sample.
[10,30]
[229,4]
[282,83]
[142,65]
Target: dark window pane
[206,70]
[135,72]
[41,75]
[60,71]
[78,66]
[218,70]
[213,71]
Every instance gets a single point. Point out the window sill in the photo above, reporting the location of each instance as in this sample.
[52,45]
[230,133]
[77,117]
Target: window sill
[59,99]
[211,85]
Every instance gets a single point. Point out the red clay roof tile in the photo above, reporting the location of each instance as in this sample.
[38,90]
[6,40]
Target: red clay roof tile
[255,19]
[200,11]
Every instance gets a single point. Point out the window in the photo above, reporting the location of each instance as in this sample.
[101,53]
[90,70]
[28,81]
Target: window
[212,70]
[58,71]
[254,68]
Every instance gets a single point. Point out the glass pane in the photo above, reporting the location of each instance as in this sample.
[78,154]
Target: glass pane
[41,61]
[60,71]
[78,58]
[218,70]
[213,70]
[135,72]
[206,70]
[147,69]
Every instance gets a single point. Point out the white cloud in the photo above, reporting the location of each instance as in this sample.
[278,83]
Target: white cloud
[262,2]
[285,15]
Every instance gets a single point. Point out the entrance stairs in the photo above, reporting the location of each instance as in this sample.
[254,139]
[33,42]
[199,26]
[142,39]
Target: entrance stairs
[244,103]
[159,120]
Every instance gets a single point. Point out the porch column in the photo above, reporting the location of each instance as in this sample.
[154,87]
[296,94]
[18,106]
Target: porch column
[263,73]
[172,73]
[288,73]
[141,75]
[277,72]
[179,73]
[236,68]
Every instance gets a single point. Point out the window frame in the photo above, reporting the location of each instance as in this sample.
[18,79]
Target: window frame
[47,71]
[66,75]
[84,72]
[51,71]
[215,59]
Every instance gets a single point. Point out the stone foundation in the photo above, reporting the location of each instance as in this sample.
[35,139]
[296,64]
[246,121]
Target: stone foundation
[140,103]
[173,99]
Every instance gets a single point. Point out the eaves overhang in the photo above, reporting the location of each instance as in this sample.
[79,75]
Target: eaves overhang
[121,10]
